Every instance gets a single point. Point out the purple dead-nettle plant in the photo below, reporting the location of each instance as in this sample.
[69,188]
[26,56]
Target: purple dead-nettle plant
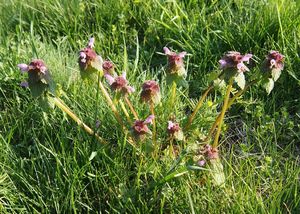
[176,72]
[90,63]
[119,83]
[108,67]
[150,92]
[175,62]
[272,67]
[140,127]
[39,79]
[274,61]
[233,66]
[175,131]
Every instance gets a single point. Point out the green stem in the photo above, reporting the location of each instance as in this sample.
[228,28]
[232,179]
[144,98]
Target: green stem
[59,103]
[230,102]
[136,117]
[112,105]
[125,111]
[199,104]
[229,87]
[173,94]
[154,125]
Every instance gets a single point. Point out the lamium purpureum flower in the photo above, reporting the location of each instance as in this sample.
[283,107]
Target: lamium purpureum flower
[108,67]
[272,67]
[273,64]
[39,78]
[89,62]
[210,152]
[234,60]
[233,66]
[150,92]
[175,62]
[175,131]
[140,128]
[119,83]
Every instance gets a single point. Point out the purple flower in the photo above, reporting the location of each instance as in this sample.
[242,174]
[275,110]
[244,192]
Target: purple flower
[150,92]
[210,152]
[37,70]
[88,59]
[36,65]
[39,77]
[91,43]
[119,83]
[174,130]
[23,67]
[201,162]
[140,127]
[24,84]
[108,67]
[274,60]
[98,123]
[173,127]
[175,62]
[234,60]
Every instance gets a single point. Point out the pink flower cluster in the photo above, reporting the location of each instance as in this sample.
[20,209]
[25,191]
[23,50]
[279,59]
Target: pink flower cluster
[234,60]
[175,62]
[274,60]
[119,83]
[140,127]
[150,92]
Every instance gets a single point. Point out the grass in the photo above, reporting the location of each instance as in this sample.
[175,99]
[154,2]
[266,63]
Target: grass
[49,165]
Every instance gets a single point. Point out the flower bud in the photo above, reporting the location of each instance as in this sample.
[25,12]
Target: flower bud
[38,76]
[150,92]
[108,67]
[89,62]
[235,61]
[175,131]
[175,62]
[140,128]
[273,64]
[119,84]
[210,152]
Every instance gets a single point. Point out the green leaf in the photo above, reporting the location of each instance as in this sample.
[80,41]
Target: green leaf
[219,83]
[212,76]
[240,80]
[37,88]
[97,64]
[179,80]
[269,85]
[46,102]
[276,74]
[93,154]
[217,172]
[179,135]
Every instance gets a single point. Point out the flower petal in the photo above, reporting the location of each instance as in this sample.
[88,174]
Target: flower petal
[149,119]
[110,79]
[167,51]
[24,84]
[170,124]
[43,69]
[82,55]
[223,63]
[91,42]
[23,67]
[124,75]
[242,67]
[182,54]
[246,58]
[130,89]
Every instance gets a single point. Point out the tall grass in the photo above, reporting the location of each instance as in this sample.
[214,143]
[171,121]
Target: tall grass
[47,164]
